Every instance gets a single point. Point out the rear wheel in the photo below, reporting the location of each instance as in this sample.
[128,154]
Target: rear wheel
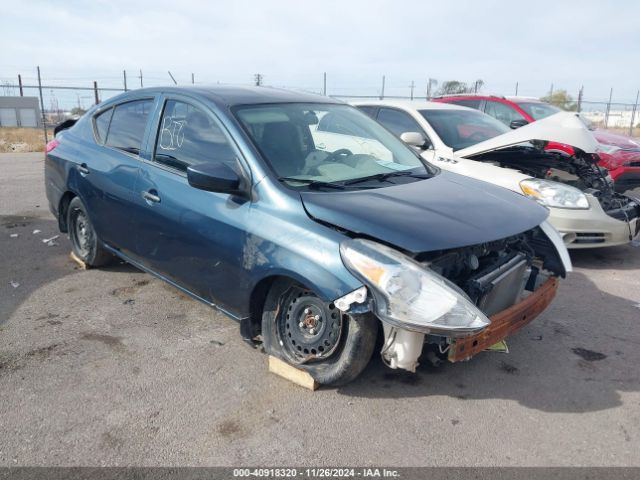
[308,333]
[84,241]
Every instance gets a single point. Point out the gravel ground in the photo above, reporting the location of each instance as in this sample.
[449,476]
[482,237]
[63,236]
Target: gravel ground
[113,367]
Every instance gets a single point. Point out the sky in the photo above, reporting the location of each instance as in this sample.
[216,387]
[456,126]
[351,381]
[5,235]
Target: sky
[569,44]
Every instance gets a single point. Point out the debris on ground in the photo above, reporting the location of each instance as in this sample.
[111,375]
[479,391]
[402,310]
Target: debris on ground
[14,284]
[36,231]
[47,240]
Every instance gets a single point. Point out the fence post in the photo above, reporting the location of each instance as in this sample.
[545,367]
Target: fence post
[95,92]
[20,85]
[193,79]
[44,120]
[382,92]
[516,89]
[551,93]
[412,87]
[141,78]
[633,114]
[606,115]
[324,84]
[124,78]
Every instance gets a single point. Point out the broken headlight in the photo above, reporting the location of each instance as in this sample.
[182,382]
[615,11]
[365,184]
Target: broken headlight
[553,194]
[407,294]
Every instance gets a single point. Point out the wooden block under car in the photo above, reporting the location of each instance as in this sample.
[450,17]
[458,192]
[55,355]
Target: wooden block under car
[76,259]
[297,376]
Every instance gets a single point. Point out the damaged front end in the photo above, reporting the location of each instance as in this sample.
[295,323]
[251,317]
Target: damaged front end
[580,171]
[460,301]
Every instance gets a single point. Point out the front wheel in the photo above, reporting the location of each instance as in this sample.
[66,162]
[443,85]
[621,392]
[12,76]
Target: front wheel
[84,241]
[310,334]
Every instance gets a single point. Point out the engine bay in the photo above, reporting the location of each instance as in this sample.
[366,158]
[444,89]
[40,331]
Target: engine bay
[495,275]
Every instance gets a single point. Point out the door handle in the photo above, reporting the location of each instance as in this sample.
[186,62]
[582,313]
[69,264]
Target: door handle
[151,197]
[82,168]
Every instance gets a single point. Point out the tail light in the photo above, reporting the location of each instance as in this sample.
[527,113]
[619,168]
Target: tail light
[51,145]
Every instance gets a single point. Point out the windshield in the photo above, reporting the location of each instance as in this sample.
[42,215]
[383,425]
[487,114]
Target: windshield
[460,129]
[327,144]
[539,110]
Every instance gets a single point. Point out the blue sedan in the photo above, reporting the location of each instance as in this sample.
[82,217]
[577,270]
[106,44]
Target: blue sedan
[304,220]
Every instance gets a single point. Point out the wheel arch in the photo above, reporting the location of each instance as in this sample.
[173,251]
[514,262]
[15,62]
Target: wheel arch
[63,208]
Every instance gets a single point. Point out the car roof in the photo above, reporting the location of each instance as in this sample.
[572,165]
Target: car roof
[230,95]
[411,104]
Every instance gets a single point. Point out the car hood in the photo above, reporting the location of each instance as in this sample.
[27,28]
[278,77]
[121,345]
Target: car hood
[446,211]
[608,138]
[562,127]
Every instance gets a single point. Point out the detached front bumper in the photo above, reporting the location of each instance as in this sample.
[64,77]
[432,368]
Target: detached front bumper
[593,227]
[505,323]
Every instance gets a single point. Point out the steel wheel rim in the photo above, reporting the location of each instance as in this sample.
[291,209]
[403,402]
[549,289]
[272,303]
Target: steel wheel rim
[81,233]
[308,329]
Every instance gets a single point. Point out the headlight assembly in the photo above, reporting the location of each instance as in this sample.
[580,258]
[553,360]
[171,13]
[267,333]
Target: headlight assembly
[553,194]
[409,295]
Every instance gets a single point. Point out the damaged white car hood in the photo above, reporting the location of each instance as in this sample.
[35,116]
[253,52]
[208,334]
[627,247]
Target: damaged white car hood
[562,127]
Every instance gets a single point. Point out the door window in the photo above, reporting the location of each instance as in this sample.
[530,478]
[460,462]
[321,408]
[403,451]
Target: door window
[502,112]
[128,124]
[398,122]
[189,136]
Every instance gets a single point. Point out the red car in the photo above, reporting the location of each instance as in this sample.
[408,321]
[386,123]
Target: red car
[618,154]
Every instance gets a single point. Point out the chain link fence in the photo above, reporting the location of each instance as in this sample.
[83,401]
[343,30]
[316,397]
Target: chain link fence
[59,98]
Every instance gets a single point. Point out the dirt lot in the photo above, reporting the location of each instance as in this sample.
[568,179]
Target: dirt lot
[19,140]
[112,367]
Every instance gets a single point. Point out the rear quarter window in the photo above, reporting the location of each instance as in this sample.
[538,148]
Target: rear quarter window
[102,124]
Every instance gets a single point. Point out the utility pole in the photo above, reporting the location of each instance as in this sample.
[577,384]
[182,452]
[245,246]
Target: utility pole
[174,80]
[324,84]
[20,85]
[193,79]
[551,92]
[44,122]
[606,115]
[124,78]
[95,92]
[516,89]
[580,94]
[633,114]
[382,91]
[140,77]
[412,87]
[258,77]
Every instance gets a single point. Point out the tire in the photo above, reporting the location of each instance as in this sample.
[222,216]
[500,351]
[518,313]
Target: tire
[335,353]
[84,242]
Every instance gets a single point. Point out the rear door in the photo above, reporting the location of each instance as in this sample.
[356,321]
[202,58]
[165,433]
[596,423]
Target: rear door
[191,237]
[107,174]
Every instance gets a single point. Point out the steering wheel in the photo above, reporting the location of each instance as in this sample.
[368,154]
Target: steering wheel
[341,151]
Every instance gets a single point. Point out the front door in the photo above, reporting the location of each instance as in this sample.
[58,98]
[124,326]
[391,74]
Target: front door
[192,237]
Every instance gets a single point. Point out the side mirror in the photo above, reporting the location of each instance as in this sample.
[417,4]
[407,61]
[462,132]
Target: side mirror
[213,177]
[518,123]
[415,139]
